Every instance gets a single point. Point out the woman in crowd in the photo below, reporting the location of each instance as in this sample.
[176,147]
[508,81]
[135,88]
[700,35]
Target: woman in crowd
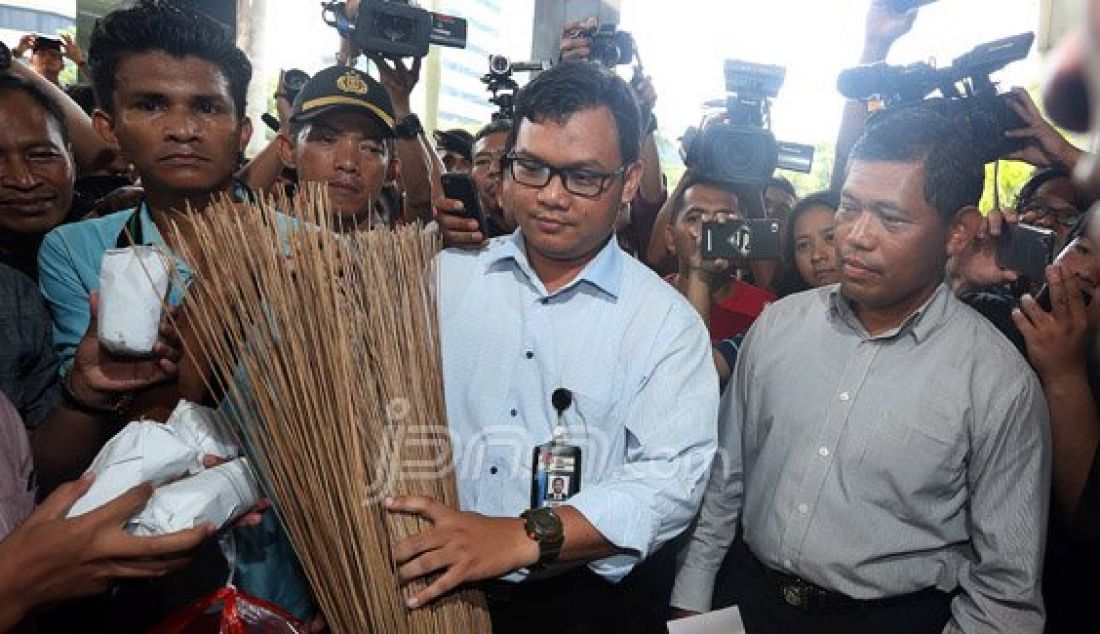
[809,259]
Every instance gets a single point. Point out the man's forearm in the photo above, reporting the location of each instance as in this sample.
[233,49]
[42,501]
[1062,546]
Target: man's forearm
[695,286]
[1075,433]
[582,541]
[66,443]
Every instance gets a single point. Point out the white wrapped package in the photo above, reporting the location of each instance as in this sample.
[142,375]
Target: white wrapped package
[144,451]
[202,428]
[133,283]
[217,496]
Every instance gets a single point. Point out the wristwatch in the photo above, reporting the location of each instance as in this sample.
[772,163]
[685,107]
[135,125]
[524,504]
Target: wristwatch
[409,127]
[544,526]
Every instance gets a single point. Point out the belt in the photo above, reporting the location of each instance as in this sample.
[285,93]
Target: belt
[809,597]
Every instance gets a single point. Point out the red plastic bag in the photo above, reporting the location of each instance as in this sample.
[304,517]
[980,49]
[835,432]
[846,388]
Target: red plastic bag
[230,611]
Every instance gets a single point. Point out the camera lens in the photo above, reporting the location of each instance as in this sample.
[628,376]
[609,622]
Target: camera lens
[738,154]
[499,64]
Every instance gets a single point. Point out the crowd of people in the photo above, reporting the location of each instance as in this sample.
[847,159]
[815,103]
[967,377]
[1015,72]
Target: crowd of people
[880,428]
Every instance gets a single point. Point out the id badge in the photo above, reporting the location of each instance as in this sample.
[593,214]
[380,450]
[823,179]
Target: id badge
[555,474]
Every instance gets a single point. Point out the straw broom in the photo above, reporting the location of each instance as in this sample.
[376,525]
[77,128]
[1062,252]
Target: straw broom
[327,347]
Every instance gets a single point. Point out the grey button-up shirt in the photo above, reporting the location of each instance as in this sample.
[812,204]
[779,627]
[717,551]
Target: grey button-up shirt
[878,466]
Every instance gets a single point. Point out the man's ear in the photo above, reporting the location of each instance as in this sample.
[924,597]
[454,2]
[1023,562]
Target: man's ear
[286,151]
[245,134]
[104,125]
[631,181]
[963,230]
[670,238]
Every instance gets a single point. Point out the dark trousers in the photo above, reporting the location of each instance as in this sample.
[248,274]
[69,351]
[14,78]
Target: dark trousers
[762,609]
[582,602]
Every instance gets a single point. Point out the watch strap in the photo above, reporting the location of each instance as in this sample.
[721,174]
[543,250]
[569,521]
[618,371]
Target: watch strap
[544,527]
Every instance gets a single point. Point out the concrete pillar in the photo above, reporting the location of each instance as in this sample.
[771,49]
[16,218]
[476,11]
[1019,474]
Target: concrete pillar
[550,15]
[251,19]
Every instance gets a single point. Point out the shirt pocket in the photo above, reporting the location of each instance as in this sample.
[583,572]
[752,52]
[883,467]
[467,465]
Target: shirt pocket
[914,461]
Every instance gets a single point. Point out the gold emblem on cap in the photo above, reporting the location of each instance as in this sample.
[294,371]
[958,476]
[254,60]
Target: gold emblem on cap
[353,83]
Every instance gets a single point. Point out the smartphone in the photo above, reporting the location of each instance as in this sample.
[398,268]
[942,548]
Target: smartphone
[1043,297]
[1026,249]
[461,187]
[755,239]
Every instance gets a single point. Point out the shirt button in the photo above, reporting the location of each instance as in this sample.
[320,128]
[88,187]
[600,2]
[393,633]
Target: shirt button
[844,396]
[803,509]
[493,470]
[823,452]
[545,301]
[530,355]
[514,412]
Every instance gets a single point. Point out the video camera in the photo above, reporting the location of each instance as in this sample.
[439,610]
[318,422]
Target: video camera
[608,46]
[742,149]
[500,84]
[395,28]
[967,94]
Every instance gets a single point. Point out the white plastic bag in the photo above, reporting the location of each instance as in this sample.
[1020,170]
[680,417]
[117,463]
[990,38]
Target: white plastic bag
[144,451]
[133,283]
[217,496]
[203,429]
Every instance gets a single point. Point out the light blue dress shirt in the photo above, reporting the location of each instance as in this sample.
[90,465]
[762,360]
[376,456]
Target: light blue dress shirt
[637,359]
[69,261]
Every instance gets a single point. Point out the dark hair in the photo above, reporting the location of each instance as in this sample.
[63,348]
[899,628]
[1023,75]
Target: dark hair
[953,173]
[164,26]
[690,179]
[497,125]
[791,280]
[780,182]
[12,83]
[83,95]
[571,87]
[1042,176]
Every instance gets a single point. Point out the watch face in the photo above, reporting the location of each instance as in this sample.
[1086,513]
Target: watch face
[546,522]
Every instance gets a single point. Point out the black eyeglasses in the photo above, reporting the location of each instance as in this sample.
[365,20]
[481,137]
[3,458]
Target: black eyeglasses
[1066,216]
[578,181]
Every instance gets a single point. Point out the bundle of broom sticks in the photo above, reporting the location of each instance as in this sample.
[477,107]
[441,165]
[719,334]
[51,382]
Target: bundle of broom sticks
[326,347]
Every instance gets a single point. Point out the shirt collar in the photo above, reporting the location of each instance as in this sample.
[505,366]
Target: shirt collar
[605,271]
[920,323]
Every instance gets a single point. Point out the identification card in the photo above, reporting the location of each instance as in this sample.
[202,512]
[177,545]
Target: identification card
[555,474]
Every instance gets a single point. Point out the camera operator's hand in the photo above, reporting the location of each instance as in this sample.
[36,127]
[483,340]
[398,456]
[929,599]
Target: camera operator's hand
[1057,341]
[71,49]
[457,231]
[884,26]
[976,265]
[644,92]
[573,44]
[399,81]
[708,270]
[25,44]
[1046,145]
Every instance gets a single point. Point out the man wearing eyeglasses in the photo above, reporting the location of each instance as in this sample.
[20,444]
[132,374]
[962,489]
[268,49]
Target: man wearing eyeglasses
[556,343]
[1049,199]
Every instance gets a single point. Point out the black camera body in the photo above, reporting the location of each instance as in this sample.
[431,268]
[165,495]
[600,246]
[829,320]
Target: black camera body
[608,46]
[395,28]
[294,79]
[498,81]
[967,95]
[742,150]
[755,239]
